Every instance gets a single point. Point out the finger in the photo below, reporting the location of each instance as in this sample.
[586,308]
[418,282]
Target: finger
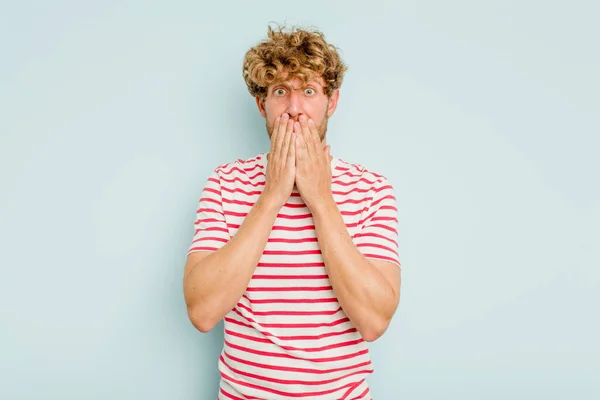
[299,150]
[283,124]
[306,135]
[287,138]
[328,153]
[300,143]
[280,128]
[274,134]
[291,156]
[298,132]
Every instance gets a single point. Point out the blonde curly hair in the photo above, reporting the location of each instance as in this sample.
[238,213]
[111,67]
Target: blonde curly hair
[299,53]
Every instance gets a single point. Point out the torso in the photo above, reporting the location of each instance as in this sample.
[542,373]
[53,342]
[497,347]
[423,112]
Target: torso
[288,337]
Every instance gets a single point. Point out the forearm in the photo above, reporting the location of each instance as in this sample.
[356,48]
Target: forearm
[218,281]
[362,290]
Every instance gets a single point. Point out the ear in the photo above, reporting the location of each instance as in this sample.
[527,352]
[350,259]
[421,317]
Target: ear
[261,107]
[333,102]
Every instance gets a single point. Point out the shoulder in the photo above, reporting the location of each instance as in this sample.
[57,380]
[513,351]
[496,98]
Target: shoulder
[359,173]
[246,167]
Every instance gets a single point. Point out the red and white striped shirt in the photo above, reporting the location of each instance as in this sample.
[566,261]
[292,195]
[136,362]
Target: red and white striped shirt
[288,337]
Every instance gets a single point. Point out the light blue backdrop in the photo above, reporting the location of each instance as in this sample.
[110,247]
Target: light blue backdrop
[484,115]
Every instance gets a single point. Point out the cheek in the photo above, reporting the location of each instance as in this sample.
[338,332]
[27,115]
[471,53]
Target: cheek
[274,110]
[318,112]
[271,117]
[272,107]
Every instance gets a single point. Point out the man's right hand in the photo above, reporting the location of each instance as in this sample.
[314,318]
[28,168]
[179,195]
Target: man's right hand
[214,281]
[281,166]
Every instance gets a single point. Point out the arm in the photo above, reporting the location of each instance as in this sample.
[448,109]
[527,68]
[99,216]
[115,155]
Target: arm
[216,279]
[367,285]
[367,289]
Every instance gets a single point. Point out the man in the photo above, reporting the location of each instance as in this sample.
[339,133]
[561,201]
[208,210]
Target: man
[296,250]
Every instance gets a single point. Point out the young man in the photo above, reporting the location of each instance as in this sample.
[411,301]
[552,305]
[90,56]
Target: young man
[295,249]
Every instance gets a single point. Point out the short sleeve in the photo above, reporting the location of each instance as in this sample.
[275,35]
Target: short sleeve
[210,227]
[378,238]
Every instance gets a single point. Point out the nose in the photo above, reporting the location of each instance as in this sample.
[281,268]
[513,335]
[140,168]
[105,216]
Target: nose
[294,107]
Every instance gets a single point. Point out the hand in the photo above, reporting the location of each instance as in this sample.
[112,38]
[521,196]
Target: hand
[281,165]
[313,164]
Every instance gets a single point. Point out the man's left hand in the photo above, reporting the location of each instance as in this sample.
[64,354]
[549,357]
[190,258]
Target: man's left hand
[313,164]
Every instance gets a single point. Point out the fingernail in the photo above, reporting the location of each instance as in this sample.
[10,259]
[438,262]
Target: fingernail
[285,116]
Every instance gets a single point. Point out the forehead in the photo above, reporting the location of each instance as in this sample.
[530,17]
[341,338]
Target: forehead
[297,83]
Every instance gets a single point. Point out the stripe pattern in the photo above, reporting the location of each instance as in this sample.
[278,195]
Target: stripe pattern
[288,337]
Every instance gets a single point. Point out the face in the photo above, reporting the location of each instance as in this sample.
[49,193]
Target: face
[294,99]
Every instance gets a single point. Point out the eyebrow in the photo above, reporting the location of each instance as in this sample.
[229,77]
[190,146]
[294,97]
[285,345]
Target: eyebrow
[289,85]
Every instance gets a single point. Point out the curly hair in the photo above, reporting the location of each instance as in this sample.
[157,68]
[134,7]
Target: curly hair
[299,53]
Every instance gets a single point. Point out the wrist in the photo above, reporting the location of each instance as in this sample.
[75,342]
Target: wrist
[269,203]
[323,207]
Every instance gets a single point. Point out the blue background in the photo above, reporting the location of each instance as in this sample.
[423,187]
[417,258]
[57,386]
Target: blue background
[484,116]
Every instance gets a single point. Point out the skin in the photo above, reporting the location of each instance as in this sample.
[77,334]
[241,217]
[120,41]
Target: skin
[292,99]
[368,290]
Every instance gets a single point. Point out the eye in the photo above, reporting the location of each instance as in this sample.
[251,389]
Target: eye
[279,92]
[309,91]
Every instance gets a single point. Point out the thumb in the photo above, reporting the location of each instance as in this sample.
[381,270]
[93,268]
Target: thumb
[328,152]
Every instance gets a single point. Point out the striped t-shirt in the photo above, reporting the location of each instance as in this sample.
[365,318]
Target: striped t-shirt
[288,337]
